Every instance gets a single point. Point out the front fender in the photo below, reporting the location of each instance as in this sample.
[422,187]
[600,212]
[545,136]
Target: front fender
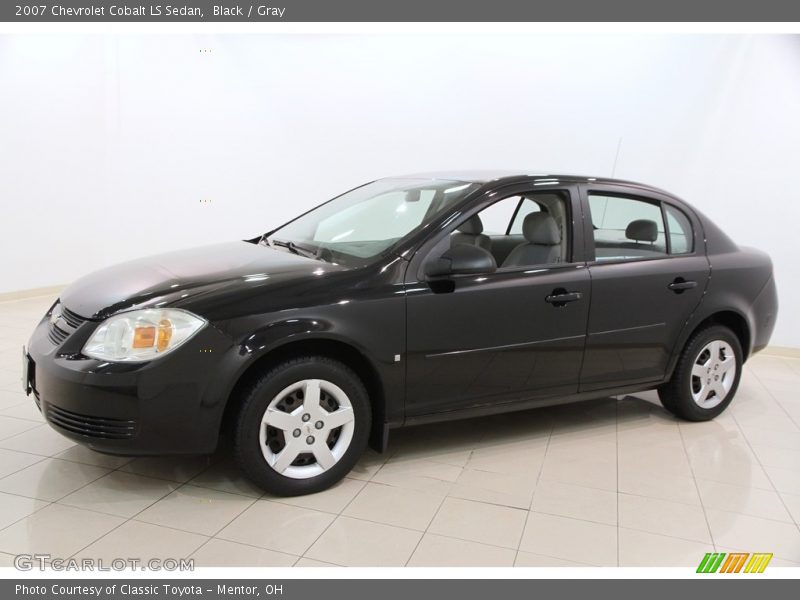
[375,330]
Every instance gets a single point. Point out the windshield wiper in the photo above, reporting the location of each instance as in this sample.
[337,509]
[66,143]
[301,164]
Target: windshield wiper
[294,248]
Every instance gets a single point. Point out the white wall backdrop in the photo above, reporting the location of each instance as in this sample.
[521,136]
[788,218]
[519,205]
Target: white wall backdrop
[109,144]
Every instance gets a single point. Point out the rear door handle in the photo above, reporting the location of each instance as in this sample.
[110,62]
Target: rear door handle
[561,297]
[680,285]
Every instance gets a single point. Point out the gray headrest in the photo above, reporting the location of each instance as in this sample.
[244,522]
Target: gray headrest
[472,226]
[642,230]
[540,228]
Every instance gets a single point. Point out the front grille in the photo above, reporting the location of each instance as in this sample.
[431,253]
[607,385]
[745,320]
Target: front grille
[57,335]
[72,319]
[65,324]
[97,427]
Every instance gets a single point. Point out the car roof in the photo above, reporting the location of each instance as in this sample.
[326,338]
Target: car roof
[511,176]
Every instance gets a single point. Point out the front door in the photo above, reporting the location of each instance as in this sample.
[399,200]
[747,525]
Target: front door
[514,334]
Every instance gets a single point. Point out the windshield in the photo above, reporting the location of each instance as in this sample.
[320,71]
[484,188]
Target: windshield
[364,222]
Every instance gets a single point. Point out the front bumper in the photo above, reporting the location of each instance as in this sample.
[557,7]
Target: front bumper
[172,405]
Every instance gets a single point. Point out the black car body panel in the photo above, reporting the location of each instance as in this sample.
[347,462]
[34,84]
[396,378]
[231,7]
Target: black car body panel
[169,279]
[427,349]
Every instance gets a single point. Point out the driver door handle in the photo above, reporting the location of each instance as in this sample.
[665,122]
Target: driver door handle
[560,298]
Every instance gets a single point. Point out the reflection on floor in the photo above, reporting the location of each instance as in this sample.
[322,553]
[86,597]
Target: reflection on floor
[609,482]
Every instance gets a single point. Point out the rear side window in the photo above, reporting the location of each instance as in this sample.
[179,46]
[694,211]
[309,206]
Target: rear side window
[626,228]
[681,236]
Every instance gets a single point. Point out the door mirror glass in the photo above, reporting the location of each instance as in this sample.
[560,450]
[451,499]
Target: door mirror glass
[462,260]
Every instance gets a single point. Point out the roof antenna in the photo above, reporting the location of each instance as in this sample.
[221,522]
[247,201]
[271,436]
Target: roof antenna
[616,157]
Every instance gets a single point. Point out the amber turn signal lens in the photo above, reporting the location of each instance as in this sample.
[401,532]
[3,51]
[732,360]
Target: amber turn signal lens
[164,334]
[144,337]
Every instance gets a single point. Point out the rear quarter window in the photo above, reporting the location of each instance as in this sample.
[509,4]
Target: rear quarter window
[681,235]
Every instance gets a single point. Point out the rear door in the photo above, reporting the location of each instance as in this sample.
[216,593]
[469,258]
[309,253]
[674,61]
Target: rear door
[649,271]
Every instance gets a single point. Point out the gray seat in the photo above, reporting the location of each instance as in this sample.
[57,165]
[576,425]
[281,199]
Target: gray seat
[471,232]
[542,243]
[642,230]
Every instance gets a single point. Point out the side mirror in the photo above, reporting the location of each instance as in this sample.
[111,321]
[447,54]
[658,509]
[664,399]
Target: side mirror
[462,259]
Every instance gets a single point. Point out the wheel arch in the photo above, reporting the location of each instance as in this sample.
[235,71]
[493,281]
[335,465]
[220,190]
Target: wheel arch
[335,349]
[731,319]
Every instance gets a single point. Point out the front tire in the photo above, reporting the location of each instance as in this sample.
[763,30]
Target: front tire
[706,377]
[302,426]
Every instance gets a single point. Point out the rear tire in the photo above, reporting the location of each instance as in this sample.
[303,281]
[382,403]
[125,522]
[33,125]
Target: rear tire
[706,377]
[302,426]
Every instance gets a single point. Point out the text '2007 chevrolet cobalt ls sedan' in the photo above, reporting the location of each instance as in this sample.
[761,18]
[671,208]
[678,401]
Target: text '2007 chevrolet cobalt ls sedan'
[406,300]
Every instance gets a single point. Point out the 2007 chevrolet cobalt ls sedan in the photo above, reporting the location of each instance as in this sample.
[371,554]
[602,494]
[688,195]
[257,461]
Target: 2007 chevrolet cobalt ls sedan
[406,300]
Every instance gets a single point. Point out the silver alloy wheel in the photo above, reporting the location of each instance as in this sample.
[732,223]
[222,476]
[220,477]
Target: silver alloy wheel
[307,428]
[713,374]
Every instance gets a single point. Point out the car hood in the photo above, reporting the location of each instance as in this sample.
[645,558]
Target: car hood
[171,279]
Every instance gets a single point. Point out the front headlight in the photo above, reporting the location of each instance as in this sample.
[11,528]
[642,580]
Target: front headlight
[142,335]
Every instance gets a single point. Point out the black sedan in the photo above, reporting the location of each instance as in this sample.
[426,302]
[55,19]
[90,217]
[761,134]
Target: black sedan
[406,300]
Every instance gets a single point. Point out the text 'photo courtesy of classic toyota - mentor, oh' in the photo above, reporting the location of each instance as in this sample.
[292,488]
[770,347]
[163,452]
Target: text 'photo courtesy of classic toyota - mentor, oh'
[406,300]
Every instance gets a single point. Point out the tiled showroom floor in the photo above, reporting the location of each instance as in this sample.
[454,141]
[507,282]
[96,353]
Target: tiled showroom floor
[609,482]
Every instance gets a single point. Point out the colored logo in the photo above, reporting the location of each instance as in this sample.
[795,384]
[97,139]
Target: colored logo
[734,562]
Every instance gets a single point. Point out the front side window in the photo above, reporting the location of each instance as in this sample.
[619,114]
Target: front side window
[526,207]
[363,223]
[626,228]
[520,231]
[497,217]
